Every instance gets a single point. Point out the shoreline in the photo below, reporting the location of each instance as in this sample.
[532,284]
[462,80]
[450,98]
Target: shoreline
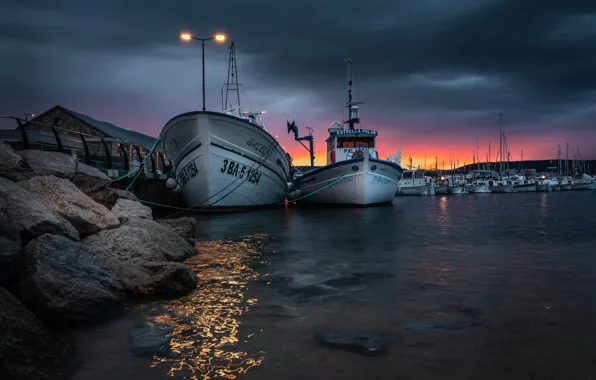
[76,251]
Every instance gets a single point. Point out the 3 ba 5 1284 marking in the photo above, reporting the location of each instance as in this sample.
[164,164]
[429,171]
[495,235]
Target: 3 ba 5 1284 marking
[238,170]
[187,173]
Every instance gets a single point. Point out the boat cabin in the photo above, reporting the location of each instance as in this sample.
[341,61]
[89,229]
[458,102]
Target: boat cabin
[347,144]
[412,178]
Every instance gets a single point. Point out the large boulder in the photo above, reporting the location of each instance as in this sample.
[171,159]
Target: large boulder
[66,281]
[50,163]
[128,209]
[95,184]
[12,165]
[32,217]
[185,227]
[10,249]
[66,199]
[27,349]
[155,278]
[140,239]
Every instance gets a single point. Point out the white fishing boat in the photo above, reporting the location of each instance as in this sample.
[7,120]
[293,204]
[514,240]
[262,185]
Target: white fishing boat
[226,160]
[414,182]
[497,186]
[354,175]
[524,185]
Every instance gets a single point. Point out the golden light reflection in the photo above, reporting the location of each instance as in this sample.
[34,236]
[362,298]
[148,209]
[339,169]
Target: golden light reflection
[543,205]
[444,220]
[206,322]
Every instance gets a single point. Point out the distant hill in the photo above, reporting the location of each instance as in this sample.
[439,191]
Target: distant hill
[538,165]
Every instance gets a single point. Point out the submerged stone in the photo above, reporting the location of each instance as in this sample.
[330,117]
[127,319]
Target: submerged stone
[151,340]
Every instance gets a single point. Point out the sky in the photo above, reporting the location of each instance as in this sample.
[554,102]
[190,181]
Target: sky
[433,74]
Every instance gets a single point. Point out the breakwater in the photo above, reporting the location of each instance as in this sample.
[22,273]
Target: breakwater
[73,249]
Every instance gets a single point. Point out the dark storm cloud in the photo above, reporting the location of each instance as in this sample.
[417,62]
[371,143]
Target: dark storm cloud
[429,63]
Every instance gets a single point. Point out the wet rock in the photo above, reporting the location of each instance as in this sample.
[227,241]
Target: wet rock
[50,163]
[95,184]
[66,199]
[123,194]
[66,281]
[27,349]
[151,340]
[127,209]
[32,217]
[12,165]
[366,343]
[140,238]
[11,259]
[156,278]
[185,227]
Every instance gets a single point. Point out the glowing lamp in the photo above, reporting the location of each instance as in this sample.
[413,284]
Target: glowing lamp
[220,37]
[185,36]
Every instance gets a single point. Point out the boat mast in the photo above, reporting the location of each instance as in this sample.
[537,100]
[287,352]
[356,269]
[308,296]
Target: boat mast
[232,82]
[477,156]
[501,146]
[351,121]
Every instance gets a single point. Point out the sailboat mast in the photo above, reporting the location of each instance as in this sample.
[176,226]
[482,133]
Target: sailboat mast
[477,156]
[567,162]
[501,146]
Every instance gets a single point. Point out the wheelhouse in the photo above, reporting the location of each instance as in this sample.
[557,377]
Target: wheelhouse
[347,144]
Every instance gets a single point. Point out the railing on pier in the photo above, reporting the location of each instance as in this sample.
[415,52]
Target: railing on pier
[89,149]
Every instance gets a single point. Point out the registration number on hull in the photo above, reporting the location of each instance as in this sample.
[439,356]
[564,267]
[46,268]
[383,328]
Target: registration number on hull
[241,171]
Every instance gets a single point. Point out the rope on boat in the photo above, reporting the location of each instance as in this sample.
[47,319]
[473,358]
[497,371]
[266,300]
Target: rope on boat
[250,209]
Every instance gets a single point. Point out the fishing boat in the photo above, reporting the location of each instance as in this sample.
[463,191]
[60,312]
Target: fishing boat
[354,174]
[478,187]
[524,185]
[458,189]
[226,160]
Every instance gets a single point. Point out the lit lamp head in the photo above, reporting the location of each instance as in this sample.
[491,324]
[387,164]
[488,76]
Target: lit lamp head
[185,36]
[220,37]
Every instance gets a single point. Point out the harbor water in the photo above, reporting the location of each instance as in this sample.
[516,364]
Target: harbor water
[485,286]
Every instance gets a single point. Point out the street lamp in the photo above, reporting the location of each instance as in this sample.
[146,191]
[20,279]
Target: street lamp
[27,115]
[217,37]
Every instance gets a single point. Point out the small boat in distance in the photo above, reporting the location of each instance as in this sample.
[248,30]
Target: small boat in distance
[226,161]
[354,175]
[414,182]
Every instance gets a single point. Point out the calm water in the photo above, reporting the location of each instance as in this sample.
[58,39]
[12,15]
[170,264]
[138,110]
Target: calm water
[485,286]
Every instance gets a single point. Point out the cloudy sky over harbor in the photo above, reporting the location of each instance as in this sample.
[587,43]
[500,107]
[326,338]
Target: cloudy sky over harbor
[433,74]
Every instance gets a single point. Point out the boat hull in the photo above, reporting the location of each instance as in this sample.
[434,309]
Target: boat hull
[358,182]
[422,190]
[223,161]
[458,190]
[441,190]
[501,188]
[478,189]
[582,186]
[525,188]
[544,188]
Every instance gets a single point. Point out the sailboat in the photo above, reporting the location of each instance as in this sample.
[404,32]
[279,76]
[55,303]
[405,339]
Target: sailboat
[354,175]
[500,185]
[226,160]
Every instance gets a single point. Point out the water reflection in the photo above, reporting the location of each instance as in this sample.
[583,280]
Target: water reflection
[543,205]
[444,219]
[205,323]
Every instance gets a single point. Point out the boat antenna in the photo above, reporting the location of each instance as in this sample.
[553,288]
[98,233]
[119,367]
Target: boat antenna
[232,83]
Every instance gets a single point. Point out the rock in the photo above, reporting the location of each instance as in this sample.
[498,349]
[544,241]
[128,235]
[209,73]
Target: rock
[66,281]
[91,175]
[151,340]
[32,217]
[11,259]
[50,163]
[155,278]
[185,227]
[66,199]
[12,165]
[123,194]
[139,238]
[126,209]
[366,343]
[27,349]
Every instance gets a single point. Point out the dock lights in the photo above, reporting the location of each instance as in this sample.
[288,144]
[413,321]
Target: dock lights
[219,37]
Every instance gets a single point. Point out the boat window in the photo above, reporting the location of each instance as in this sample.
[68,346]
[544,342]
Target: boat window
[419,175]
[356,142]
[407,175]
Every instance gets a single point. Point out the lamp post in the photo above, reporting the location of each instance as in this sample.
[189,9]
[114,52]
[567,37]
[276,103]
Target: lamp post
[217,37]
[27,115]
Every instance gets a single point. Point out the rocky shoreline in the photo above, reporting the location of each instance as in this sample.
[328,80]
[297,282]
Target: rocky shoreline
[72,250]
